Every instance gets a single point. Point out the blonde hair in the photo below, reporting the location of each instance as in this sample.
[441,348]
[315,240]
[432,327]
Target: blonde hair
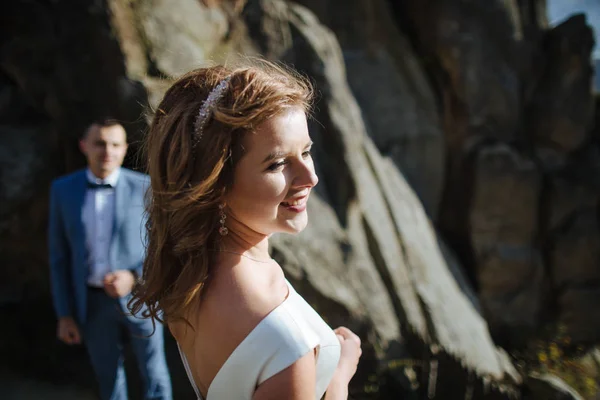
[189,180]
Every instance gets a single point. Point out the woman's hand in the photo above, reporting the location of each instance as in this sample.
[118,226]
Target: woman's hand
[349,355]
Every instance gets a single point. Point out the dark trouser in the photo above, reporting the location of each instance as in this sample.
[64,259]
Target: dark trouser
[102,334]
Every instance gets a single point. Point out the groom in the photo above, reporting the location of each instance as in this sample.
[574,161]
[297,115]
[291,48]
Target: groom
[96,248]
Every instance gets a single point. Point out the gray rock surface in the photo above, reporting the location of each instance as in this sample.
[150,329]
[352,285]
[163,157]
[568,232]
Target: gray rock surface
[504,229]
[562,109]
[459,191]
[396,99]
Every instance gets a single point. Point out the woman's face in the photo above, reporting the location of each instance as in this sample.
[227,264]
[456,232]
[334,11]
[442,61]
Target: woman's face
[273,180]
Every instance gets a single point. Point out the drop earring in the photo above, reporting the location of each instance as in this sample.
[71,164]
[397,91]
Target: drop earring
[223,229]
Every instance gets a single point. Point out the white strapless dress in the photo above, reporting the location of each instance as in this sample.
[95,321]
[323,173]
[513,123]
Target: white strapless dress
[285,335]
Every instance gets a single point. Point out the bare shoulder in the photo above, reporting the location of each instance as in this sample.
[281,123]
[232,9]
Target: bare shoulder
[243,295]
[238,298]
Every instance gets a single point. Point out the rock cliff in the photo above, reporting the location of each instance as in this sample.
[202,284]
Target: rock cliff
[456,143]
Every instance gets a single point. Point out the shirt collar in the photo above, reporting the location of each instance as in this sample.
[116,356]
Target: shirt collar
[111,179]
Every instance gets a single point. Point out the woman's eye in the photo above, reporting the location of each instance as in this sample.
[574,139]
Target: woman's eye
[276,166]
[306,154]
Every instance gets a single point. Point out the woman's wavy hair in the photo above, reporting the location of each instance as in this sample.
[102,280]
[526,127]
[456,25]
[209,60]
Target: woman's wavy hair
[189,177]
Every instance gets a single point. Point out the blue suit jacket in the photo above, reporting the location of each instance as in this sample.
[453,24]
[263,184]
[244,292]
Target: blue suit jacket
[67,242]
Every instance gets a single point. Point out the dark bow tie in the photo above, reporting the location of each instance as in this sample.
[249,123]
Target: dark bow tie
[92,185]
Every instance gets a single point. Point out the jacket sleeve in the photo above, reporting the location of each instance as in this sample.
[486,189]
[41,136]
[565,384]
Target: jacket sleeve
[59,257]
[145,197]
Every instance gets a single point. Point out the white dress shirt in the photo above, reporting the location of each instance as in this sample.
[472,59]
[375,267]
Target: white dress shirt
[98,216]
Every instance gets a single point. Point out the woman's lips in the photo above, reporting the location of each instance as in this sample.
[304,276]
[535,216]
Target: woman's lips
[295,202]
[296,205]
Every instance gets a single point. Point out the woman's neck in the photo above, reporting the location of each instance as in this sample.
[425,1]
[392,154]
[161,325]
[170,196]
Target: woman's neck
[256,247]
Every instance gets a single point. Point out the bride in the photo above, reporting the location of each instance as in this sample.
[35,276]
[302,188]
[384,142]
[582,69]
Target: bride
[229,157]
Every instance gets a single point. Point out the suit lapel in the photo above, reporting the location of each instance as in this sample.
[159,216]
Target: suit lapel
[77,196]
[122,197]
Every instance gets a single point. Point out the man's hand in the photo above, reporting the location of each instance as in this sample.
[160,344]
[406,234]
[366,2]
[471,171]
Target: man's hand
[67,331]
[119,283]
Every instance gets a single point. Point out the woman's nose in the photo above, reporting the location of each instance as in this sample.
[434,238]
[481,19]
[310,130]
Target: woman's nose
[307,176]
[314,179]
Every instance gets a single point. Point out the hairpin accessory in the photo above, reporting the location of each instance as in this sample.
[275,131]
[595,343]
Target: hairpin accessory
[223,229]
[203,115]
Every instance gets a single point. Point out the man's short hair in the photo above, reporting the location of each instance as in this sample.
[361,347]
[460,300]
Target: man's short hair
[103,122]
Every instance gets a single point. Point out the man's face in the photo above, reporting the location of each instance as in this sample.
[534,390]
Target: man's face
[104,148]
